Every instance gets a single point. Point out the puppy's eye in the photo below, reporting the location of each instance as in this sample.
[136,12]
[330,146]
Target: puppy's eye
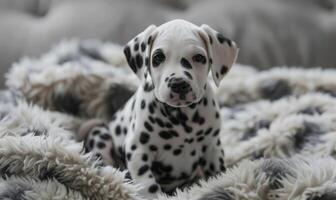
[158,58]
[199,58]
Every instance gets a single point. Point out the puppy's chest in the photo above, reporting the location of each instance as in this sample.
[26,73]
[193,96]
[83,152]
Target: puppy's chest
[181,135]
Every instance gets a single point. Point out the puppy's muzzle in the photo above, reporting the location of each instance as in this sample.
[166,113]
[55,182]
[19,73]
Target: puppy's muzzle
[179,86]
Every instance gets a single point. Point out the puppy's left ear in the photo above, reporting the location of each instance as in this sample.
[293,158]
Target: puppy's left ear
[222,52]
[137,51]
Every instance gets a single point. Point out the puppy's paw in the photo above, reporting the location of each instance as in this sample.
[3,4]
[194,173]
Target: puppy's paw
[87,127]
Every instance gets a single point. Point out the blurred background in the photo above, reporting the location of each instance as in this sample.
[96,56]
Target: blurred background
[268,32]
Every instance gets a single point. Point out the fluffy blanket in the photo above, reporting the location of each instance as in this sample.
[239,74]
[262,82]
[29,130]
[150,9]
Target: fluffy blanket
[278,129]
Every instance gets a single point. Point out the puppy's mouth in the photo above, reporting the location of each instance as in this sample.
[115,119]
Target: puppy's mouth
[178,100]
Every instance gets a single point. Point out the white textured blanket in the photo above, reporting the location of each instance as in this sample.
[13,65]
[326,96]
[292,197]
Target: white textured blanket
[278,129]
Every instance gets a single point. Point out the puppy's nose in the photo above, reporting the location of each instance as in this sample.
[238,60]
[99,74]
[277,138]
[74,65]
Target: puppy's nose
[180,86]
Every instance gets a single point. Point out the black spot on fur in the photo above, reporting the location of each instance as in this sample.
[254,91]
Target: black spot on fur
[128,156]
[142,170]
[148,87]
[143,104]
[216,133]
[143,47]
[193,153]
[127,53]
[144,138]
[208,131]
[151,119]
[118,130]
[213,103]
[91,144]
[149,40]
[177,152]
[185,63]
[165,135]
[128,176]
[224,70]
[95,132]
[198,119]
[194,166]
[160,122]
[153,148]
[168,125]
[174,133]
[204,148]
[148,126]
[101,145]
[212,167]
[136,47]
[105,136]
[133,147]
[205,101]
[139,60]
[222,39]
[174,120]
[200,139]
[202,162]
[188,129]
[151,108]
[183,176]
[190,140]
[144,157]
[153,188]
[193,105]
[160,168]
[147,61]
[200,132]
[188,75]
[167,147]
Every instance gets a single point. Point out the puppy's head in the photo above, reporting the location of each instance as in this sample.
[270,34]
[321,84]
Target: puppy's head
[178,56]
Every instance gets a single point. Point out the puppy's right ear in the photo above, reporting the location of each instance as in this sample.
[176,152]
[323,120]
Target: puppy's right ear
[138,51]
[222,51]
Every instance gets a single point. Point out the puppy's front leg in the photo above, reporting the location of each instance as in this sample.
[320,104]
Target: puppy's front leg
[212,162]
[139,163]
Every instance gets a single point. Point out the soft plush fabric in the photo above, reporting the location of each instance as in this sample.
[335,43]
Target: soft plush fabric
[40,159]
[278,129]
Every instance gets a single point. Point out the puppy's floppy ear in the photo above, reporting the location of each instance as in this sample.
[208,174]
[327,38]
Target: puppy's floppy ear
[222,52]
[137,51]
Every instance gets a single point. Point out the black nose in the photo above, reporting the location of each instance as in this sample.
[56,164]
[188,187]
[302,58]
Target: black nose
[180,86]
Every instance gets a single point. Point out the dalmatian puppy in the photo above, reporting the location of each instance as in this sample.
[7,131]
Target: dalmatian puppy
[168,131]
